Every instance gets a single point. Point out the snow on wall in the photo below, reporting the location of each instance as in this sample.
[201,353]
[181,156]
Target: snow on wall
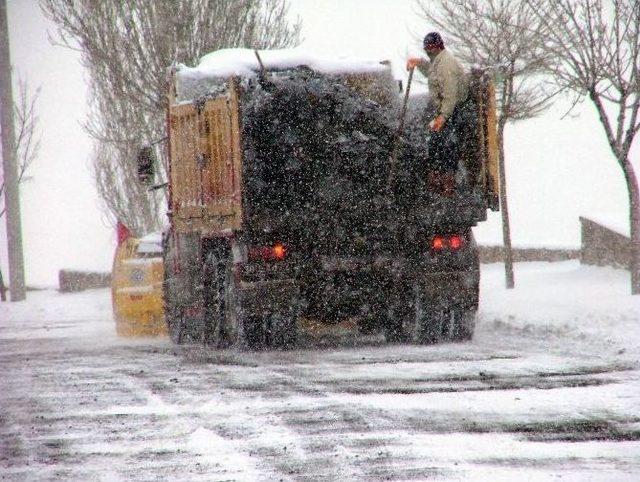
[218,66]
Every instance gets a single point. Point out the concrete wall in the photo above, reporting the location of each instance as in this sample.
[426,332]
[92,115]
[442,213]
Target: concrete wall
[602,246]
[495,254]
[70,281]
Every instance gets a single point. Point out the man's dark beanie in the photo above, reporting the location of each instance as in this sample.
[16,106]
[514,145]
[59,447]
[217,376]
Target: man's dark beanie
[433,39]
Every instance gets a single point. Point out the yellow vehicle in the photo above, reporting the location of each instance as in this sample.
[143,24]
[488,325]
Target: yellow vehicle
[136,287]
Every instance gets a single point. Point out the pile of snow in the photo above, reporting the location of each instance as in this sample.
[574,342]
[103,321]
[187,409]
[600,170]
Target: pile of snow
[192,82]
[226,63]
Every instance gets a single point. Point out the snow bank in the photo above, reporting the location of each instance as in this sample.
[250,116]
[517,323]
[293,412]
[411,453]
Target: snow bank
[244,63]
[566,299]
[51,314]
[218,66]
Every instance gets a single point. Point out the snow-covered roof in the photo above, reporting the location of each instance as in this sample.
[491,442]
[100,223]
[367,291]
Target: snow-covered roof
[150,244]
[226,63]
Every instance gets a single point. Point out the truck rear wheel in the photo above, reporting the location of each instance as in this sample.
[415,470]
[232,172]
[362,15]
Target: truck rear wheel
[281,328]
[181,328]
[278,329]
[417,318]
[181,288]
[228,323]
[463,323]
[442,319]
[224,318]
[399,319]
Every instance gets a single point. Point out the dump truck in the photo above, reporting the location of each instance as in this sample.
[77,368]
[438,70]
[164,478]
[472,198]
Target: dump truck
[292,195]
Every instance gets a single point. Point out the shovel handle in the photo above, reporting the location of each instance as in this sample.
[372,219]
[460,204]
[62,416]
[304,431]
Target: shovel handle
[405,102]
[396,141]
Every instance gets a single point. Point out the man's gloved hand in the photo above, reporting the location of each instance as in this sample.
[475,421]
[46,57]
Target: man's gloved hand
[436,124]
[413,62]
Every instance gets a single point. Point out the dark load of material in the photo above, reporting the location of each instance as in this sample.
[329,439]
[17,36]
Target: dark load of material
[318,157]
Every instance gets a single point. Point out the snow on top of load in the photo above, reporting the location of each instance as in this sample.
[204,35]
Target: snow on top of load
[243,62]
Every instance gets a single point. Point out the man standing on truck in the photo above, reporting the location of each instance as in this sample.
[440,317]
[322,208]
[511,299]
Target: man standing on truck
[449,88]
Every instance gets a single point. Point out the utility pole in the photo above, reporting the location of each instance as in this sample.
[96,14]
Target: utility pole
[10,170]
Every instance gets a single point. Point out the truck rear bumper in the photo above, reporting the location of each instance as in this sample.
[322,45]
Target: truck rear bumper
[270,296]
[465,279]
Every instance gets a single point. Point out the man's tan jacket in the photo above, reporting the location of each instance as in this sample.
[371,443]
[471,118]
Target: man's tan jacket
[448,83]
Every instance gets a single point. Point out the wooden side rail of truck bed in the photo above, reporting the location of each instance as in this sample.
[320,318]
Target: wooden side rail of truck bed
[483,89]
[205,164]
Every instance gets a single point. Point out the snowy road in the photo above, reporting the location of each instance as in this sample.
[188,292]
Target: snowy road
[549,388]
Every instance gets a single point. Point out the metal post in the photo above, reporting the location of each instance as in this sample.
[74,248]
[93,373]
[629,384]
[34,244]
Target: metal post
[10,170]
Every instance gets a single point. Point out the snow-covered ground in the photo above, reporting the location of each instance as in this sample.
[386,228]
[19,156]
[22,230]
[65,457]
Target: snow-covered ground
[549,388]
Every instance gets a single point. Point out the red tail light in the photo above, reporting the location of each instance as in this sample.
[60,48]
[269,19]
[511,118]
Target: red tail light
[453,242]
[438,243]
[277,252]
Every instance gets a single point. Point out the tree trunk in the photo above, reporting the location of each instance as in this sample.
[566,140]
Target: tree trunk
[506,229]
[3,289]
[10,168]
[634,224]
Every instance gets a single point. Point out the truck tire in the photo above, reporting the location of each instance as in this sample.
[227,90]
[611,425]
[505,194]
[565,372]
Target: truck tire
[179,329]
[463,323]
[427,320]
[171,314]
[274,330]
[225,322]
[400,314]
[281,328]
[181,289]
[411,318]
[429,325]
[464,309]
[442,319]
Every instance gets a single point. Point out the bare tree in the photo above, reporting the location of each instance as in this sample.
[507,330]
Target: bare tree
[127,47]
[27,136]
[27,145]
[597,47]
[503,36]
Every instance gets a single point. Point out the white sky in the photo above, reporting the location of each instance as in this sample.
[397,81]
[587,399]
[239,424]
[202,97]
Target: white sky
[557,169]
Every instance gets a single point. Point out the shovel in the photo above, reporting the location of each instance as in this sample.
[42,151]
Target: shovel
[393,159]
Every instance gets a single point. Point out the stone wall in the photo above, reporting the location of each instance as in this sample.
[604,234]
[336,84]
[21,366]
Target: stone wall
[70,281]
[602,246]
[495,254]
